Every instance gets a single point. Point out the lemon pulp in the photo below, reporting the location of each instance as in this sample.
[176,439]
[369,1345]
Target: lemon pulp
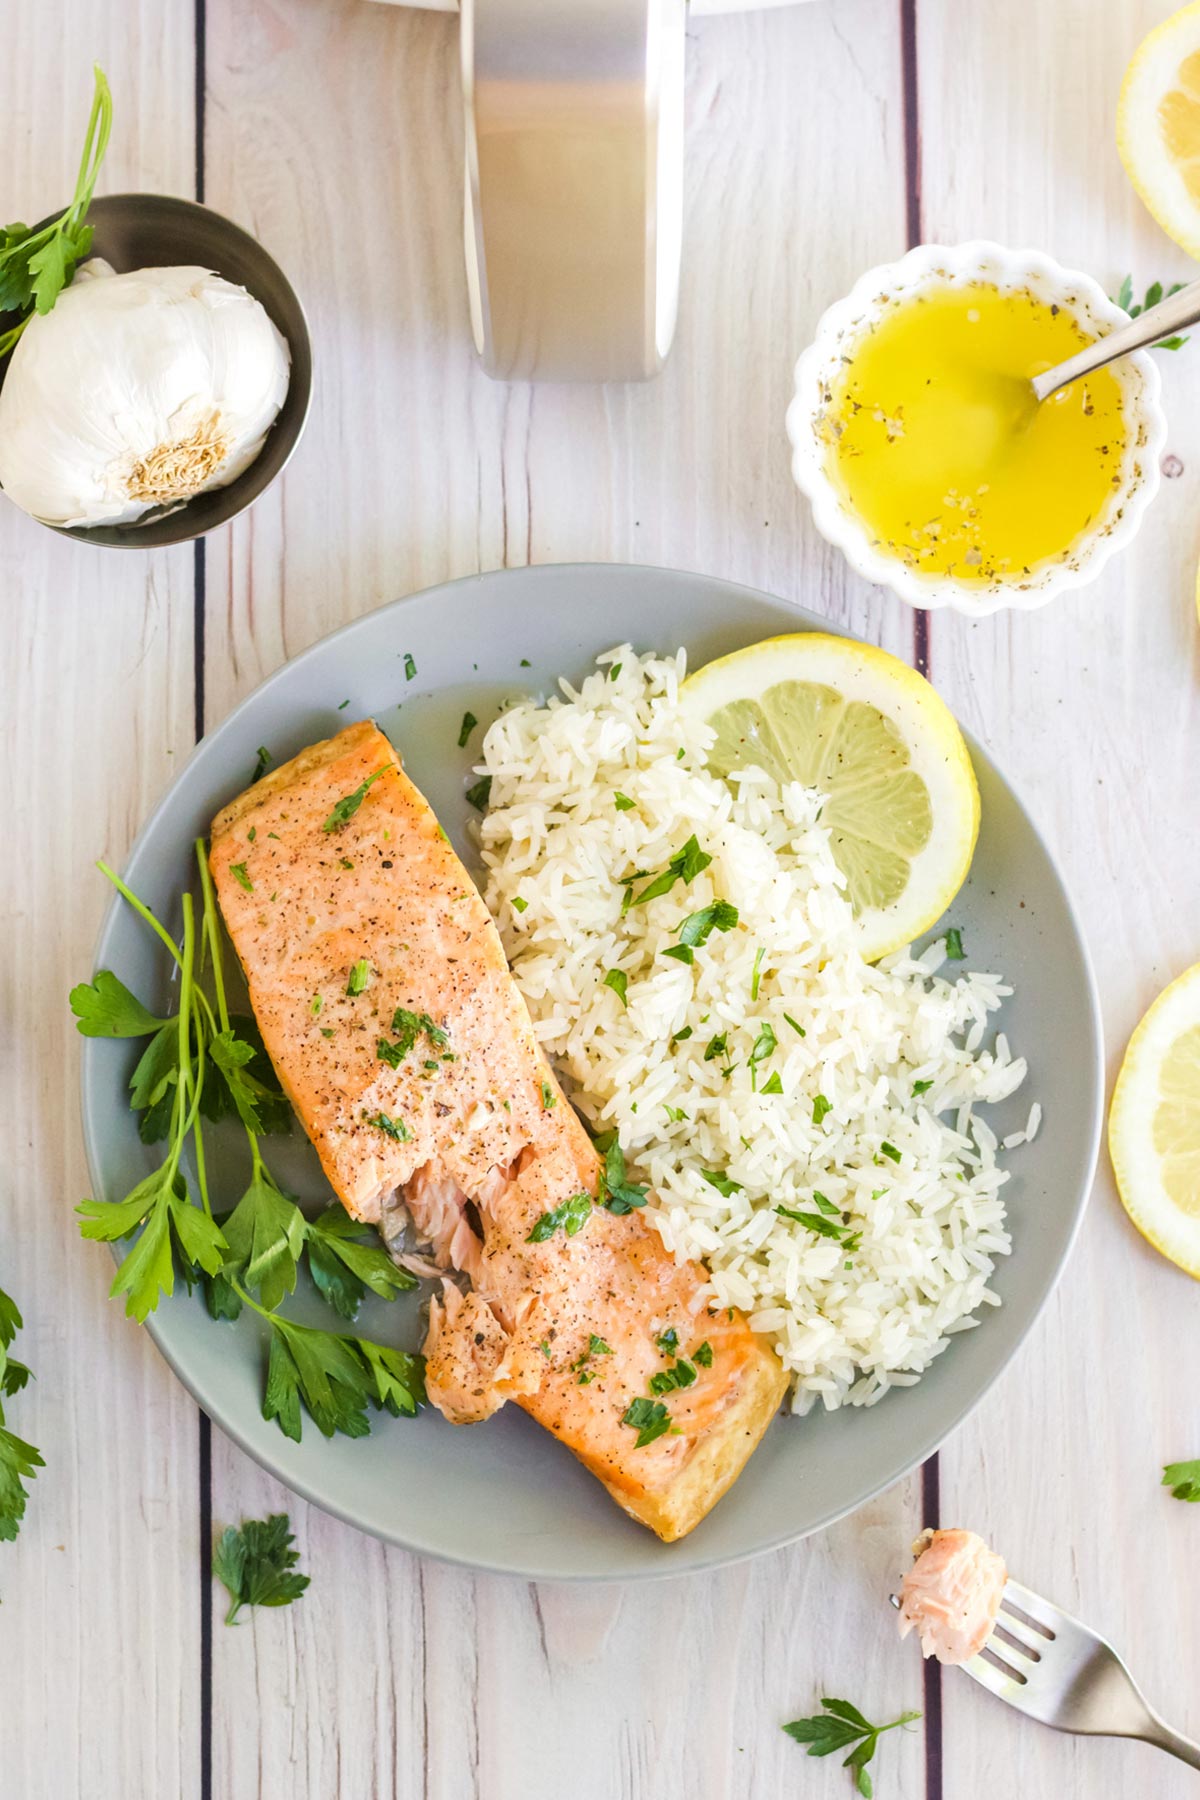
[934,439]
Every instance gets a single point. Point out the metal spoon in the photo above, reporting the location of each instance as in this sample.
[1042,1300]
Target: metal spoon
[1169,316]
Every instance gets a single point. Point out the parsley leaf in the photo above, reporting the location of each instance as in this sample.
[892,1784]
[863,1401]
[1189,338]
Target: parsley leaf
[838,1727]
[617,1194]
[815,1222]
[345,809]
[238,871]
[623,803]
[480,793]
[703,1354]
[360,975]
[891,1151]
[772,1085]
[19,1461]
[265,1234]
[345,1258]
[684,866]
[410,667]
[393,1128]
[698,926]
[618,981]
[161,1205]
[106,1008]
[549,1101]
[1154,293]
[954,944]
[716,1046]
[821,1106]
[798,1029]
[409,1026]
[681,953]
[469,722]
[571,1215]
[1183,1479]
[335,1378]
[257,1564]
[764,1044]
[722,1183]
[756,973]
[264,762]
[667,1342]
[649,1418]
[921,1087]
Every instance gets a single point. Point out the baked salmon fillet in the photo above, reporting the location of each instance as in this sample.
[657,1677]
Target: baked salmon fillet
[386,1005]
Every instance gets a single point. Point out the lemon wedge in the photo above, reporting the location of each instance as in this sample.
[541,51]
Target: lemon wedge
[1154,1124]
[1158,125]
[902,805]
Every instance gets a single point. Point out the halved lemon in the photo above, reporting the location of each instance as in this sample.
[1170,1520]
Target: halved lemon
[1154,1124]
[1158,125]
[871,734]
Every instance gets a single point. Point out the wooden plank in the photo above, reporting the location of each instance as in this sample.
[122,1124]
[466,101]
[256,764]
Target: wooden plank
[99,1642]
[1091,707]
[335,137]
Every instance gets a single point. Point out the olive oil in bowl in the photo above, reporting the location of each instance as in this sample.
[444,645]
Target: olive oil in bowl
[933,438]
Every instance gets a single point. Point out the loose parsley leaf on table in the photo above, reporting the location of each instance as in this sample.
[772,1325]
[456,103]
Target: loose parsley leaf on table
[840,1726]
[1183,1479]
[19,1461]
[258,1564]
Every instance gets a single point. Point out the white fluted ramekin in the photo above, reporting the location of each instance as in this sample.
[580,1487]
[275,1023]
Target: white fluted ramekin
[877,292]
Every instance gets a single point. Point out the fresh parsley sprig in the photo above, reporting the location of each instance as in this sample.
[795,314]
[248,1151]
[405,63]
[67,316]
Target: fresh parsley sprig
[205,1063]
[1154,293]
[841,1725]
[258,1564]
[19,1461]
[35,266]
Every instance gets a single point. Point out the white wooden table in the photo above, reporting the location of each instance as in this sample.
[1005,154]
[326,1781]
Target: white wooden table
[822,139]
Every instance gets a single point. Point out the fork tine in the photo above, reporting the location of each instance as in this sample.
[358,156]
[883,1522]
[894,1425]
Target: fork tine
[1042,1613]
[1023,1640]
[990,1675]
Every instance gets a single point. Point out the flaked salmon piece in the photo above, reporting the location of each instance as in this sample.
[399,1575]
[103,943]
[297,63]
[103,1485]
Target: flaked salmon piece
[384,1000]
[952,1594]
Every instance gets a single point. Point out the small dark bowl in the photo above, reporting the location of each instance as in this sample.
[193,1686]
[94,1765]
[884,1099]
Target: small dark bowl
[139,231]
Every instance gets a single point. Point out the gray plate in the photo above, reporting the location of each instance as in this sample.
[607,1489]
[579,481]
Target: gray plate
[503,1495]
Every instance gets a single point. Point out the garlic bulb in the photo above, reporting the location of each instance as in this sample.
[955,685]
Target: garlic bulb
[137,391]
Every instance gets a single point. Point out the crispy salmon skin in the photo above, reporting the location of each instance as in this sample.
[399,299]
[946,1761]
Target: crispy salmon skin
[384,1000]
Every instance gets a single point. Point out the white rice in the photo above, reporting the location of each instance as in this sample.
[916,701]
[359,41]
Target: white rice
[849,1319]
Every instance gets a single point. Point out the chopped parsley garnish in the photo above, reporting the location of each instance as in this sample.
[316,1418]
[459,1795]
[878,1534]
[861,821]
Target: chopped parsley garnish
[890,1150]
[716,1046]
[772,1085]
[349,804]
[798,1029]
[469,722]
[262,765]
[623,803]
[722,1183]
[410,667]
[755,973]
[682,1036]
[525,663]
[316,1005]
[698,926]
[954,944]
[569,1215]
[614,671]
[681,1375]
[649,1418]
[764,1044]
[480,793]
[675,1114]
[703,1354]
[596,1347]
[814,1222]
[618,981]
[921,1087]
[825,1206]
[238,871]
[548,1098]
[360,974]
[252,834]
[408,1027]
[617,1194]
[683,867]
[518,904]
[668,1341]
[821,1106]
[394,1128]
[345,862]
[342,705]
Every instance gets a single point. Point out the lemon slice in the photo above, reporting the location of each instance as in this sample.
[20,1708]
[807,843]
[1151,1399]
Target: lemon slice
[1158,125]
[1154,1124]
[902,805]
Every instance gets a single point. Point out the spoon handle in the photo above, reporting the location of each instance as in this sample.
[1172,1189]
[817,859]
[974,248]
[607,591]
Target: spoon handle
[1169,316]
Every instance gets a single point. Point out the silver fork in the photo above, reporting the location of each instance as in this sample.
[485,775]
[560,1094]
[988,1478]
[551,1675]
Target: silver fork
[1049,1665]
